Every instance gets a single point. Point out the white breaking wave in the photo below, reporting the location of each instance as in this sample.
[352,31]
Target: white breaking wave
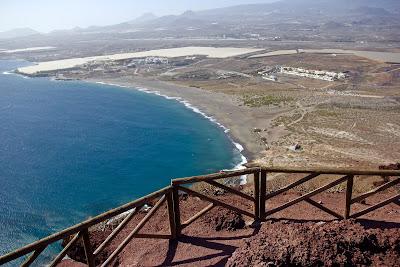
[13,73]
[187,105]
[239,147]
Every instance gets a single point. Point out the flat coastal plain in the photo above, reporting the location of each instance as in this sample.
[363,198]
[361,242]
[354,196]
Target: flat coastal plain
[224,108]
[280,119]
[212,52]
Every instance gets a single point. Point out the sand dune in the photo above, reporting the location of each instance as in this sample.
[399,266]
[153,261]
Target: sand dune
[211,52]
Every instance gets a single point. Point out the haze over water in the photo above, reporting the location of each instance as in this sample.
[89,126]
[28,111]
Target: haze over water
[70,150]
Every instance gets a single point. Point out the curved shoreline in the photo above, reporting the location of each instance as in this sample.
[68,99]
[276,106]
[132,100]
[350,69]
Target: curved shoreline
[243,157]
[224,108]
[194,109]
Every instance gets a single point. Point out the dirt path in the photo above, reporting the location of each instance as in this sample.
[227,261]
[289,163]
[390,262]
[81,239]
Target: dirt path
[303,112]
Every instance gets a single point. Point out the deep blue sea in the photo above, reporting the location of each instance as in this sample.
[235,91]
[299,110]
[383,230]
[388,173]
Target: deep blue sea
[70,150]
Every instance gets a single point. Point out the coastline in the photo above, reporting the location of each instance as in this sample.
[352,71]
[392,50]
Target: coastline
[148,88]
[209,139]
[227,110]
[238,121]
[223,110]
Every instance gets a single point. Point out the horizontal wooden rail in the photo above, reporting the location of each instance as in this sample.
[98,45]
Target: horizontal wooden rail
[323,208]
[81,226]
[306,196]
[33,257]
[215,176]
[376,190]
[230,190]
[198,215]
[341,171]
[116,231]
[216,202]
[292,185]
[134,232]
[64,252]
[377,206]
[152,236]
[170,195]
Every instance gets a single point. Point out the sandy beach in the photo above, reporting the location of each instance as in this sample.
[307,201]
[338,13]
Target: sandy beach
[225,109]
[372,55]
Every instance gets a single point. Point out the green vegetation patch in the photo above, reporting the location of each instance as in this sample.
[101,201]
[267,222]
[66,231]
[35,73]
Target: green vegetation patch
[256,101]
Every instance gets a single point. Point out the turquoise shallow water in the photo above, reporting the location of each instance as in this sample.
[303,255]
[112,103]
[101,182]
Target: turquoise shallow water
[70,150]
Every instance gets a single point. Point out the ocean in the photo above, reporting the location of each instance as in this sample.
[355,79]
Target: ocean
[70,150]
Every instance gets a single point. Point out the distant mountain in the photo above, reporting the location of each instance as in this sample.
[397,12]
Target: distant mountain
[304,20]
[20,32]
[332,25]
[143,18]
[326,14]
[310,7]
[373,11]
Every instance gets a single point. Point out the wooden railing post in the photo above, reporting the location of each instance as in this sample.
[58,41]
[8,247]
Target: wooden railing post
[263,192]
[88,248]
[349,194]
[177,213]
[171,214]
[257,195]
[171,195]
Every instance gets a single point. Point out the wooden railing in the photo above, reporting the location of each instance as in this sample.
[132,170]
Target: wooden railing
[170,195]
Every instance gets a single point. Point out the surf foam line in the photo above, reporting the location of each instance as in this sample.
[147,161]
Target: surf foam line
[239,147]
[14,73]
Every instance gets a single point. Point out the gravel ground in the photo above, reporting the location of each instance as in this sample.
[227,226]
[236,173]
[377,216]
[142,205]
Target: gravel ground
[300,235]
[337,243]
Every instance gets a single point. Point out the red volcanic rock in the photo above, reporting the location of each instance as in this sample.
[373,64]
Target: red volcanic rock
[395,166]
[344,243]
[300,235]
[222,219]
[77,251]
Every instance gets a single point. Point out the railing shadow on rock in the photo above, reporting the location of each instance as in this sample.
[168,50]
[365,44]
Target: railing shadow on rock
[170,195]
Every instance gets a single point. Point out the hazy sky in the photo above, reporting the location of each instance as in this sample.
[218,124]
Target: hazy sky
[47,15]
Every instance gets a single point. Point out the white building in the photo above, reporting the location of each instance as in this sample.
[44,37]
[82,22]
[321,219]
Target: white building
[270,78]
[313,74]
[156,60]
